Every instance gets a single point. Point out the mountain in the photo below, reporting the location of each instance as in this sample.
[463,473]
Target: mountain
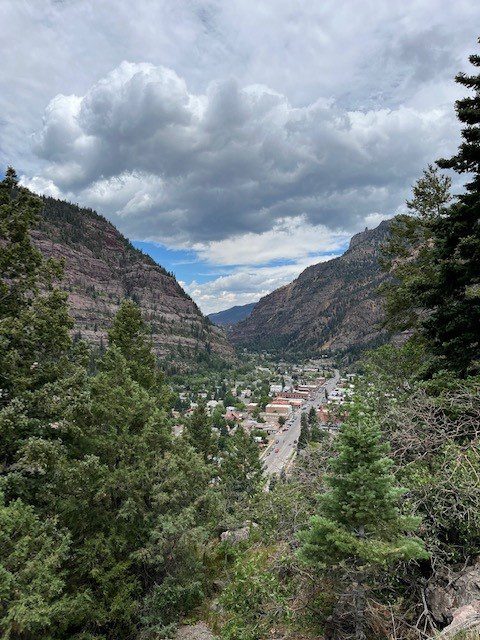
[331,306]
[231,316]
[102,267]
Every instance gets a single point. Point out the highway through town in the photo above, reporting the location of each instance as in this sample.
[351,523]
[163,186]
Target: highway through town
[274,461]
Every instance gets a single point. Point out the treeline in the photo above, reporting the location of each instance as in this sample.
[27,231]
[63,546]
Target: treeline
[105,517]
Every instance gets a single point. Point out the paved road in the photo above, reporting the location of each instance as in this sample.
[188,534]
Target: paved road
[275,462]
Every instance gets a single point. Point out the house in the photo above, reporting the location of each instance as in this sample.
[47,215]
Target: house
[251,406]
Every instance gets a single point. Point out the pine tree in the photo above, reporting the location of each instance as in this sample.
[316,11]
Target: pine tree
[304,437]
[360,525]
[454,325]
[241,470]
[198,432]
[129,333]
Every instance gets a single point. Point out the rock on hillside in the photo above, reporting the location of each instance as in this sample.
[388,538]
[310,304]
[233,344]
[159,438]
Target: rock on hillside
[331,306]
[102,267]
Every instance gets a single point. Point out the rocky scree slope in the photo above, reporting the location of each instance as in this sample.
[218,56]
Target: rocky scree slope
[331,306]
[102,267]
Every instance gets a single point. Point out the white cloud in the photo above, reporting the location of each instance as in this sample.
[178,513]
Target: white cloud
[290,239]
[247,130]
[246,284]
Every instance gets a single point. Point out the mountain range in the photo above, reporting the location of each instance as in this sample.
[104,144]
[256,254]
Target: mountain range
[233,315]
[332,306]
[102,267]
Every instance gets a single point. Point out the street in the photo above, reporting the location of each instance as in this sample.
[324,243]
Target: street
[287,447]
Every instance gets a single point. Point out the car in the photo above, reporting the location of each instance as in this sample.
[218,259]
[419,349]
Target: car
[277,450]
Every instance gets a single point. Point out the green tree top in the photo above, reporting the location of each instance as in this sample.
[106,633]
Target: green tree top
[129,333]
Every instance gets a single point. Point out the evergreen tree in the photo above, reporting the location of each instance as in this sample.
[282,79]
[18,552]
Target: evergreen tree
[304,437]
[454,325]
[129,333]
[34,320]
[360,525]
[198,432]
[241,470]
[434,255]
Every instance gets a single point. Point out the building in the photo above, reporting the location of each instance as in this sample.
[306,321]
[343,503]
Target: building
[299,395]
[278,409]
[275,388]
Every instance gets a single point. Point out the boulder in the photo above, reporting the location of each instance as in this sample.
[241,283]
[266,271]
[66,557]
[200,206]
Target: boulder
[234,536]
[198,631]
[465,619]
[450,594]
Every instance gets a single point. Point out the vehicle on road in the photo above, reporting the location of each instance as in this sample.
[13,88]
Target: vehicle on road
[277,450]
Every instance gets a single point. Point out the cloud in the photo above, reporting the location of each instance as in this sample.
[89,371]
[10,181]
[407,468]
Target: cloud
[170,165]
[246,284]
[245,131]
[290,239]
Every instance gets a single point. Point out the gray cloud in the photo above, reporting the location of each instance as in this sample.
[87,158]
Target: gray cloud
[184,167]
[231,116]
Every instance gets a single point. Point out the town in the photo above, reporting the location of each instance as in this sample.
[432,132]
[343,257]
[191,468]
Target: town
[270,401]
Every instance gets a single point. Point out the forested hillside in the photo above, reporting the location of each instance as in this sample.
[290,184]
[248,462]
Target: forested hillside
[101,267]
[231,316]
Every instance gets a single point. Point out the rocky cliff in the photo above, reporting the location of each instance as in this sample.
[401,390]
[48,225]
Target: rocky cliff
[331,306]
[102,267]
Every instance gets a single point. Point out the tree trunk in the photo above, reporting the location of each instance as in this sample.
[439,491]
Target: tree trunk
[360,598]
[360,602]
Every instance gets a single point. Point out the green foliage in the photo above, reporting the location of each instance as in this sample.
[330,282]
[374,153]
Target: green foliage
[305,436]
[359,516]
[241,469]
[33,556]
[254,600]
[106,516]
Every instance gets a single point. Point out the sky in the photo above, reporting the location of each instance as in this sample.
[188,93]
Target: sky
[235,142]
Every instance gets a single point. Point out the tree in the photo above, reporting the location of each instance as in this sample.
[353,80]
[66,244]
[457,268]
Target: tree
[34,320]
[408,254]
[129,333]
[360,524]
[241,470]
[434,256]
[281,420]
[199,434]
[33,556]
[304,437]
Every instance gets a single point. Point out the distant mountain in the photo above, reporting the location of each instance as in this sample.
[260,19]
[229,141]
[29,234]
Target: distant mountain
[102,267]
[231,316]
[331,306]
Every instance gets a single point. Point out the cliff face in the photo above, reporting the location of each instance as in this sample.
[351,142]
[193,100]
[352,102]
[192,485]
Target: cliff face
[102,268]
[332,305]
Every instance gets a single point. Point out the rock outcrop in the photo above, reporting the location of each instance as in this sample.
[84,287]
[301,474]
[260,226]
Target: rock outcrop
[102,267]
[454,600]
[331,306]
[198,631]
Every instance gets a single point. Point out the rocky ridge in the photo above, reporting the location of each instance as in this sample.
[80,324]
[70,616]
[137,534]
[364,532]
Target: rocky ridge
[331,306]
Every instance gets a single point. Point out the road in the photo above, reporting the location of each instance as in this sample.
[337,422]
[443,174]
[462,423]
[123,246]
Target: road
[287,448]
